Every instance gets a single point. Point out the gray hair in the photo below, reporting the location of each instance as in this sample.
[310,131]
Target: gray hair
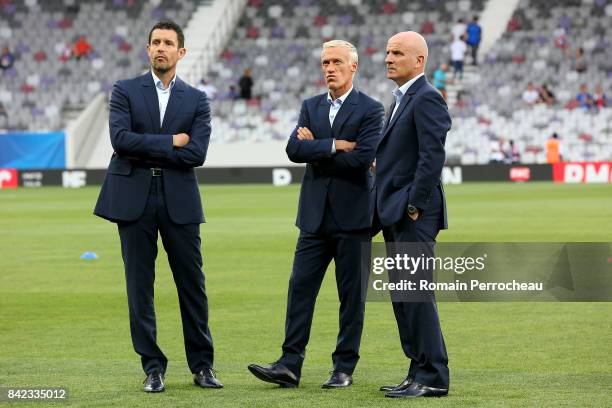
[353,56]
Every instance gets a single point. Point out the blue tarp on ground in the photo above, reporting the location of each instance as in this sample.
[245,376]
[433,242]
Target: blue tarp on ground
[33,150]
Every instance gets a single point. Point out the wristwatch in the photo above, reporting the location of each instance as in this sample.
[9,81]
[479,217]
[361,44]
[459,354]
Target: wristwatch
[411,209]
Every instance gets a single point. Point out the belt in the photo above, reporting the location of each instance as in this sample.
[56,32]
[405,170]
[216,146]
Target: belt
[156,172]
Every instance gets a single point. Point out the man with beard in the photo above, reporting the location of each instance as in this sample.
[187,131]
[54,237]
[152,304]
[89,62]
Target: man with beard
[160,129]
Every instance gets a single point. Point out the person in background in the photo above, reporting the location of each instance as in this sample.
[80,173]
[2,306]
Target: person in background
[512,154]
[7,59]
[553,149]
[458,29]
[208,88]
[474,35]
[584,98]
[439,80]
[82,48]
[580,63]
[546,95]
[458,50]
[246,85]
[600,100]
[530,96]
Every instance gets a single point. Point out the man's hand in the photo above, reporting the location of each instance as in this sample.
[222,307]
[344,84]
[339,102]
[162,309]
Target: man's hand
[303,133]
[344,146]
[414,216]
[180,140]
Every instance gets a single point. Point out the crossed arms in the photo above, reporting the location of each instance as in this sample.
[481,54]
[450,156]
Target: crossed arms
[304,147]
[180,150]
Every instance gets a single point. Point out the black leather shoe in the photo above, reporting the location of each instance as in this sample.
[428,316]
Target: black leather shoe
[397,387]
[416,390]
[207,379]
[276,373]
[154,382]
[338,380]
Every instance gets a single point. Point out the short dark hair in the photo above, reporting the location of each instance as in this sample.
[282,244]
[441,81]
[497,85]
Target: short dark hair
[169,25]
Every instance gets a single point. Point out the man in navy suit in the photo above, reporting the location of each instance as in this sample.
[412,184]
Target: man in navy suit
[336,135]
[160,129]
[410,203]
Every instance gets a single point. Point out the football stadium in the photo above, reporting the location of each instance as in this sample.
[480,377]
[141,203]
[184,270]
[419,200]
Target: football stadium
[135,112]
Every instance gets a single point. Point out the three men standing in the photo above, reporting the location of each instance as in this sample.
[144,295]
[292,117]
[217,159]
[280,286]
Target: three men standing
[160,129]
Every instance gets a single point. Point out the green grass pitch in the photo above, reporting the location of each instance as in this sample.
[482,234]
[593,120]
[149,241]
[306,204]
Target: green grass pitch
[64,322]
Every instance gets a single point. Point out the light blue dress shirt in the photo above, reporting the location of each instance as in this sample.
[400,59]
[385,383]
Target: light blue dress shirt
[398,93]
[334,107]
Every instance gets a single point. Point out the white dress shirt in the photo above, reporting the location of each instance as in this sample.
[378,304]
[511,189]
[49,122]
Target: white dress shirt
[163,95]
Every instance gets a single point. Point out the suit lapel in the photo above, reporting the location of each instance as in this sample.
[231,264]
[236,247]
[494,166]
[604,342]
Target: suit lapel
[404,102]
[174,103]
[323,118]
[150,98]
[345,111]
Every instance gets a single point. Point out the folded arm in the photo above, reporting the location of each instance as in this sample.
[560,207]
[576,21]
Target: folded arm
[307,150]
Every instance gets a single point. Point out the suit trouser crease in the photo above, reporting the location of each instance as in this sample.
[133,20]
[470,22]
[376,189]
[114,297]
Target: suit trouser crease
[182,245]
[313,254]
[418,322]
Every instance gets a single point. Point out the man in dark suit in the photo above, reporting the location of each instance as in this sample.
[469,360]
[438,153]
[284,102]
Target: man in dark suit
[410,203]
[336,135]
[160,129]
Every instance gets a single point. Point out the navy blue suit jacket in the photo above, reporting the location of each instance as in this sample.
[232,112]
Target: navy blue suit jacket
[410,156]
[344,179]
[141,142]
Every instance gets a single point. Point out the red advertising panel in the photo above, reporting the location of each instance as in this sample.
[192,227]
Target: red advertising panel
[583,172]
[520,173]
[8,178]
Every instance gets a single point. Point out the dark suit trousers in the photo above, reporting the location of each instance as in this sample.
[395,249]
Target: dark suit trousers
[418,322]
[313,254]
[139,250]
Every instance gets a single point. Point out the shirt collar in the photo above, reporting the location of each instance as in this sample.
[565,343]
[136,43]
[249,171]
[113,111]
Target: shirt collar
[401,91]
[339,100]
[160,85]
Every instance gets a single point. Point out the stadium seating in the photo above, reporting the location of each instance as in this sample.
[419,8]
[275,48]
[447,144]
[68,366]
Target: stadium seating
[40,86]
[280,41]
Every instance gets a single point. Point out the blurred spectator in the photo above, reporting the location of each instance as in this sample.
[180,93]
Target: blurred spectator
[7,59]
[231,93]
[439,80]
[600,100]
[530,96]
[584,98]
[459,29]
[512,154]
[458,49]
[82,48]
[65,52]
[547,96]
[496,154]
[580,64]
[474,35]
[553,149]
[209,89]
[246,85]
[560,39]
[3,111]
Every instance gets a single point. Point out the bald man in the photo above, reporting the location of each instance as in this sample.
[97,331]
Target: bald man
[410,205]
